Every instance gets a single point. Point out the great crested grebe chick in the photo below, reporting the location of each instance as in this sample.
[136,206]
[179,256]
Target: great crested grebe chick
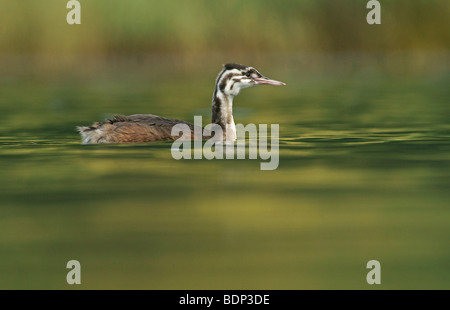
[139,128]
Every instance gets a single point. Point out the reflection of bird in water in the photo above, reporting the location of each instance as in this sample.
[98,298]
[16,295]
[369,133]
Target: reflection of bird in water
[147,127]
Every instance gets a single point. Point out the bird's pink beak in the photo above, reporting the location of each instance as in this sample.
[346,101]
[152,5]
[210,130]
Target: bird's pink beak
[266,81]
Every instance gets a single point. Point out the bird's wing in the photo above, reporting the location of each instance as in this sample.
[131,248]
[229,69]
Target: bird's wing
[136,128]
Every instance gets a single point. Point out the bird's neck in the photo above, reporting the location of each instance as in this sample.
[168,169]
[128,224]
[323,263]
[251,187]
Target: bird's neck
[222,114]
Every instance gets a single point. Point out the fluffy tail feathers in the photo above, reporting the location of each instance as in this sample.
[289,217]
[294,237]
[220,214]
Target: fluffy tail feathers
[87,133]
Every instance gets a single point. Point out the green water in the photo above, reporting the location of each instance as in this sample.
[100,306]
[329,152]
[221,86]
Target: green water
[363,174]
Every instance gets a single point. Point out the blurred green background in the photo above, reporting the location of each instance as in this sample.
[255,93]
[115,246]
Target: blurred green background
[364,146]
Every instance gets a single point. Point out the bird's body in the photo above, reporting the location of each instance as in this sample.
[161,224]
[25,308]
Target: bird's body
[141,128]
[135,128]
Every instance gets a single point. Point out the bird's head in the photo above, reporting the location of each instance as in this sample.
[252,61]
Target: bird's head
[235,77]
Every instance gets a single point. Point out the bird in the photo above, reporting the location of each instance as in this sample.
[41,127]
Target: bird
[140,128]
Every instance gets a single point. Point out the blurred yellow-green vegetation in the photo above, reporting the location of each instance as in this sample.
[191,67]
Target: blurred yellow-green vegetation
[196,28]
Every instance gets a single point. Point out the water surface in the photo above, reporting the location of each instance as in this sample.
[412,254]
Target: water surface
[363,174]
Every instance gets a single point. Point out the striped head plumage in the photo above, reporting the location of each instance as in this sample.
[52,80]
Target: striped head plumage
[229,83]
[235,77]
